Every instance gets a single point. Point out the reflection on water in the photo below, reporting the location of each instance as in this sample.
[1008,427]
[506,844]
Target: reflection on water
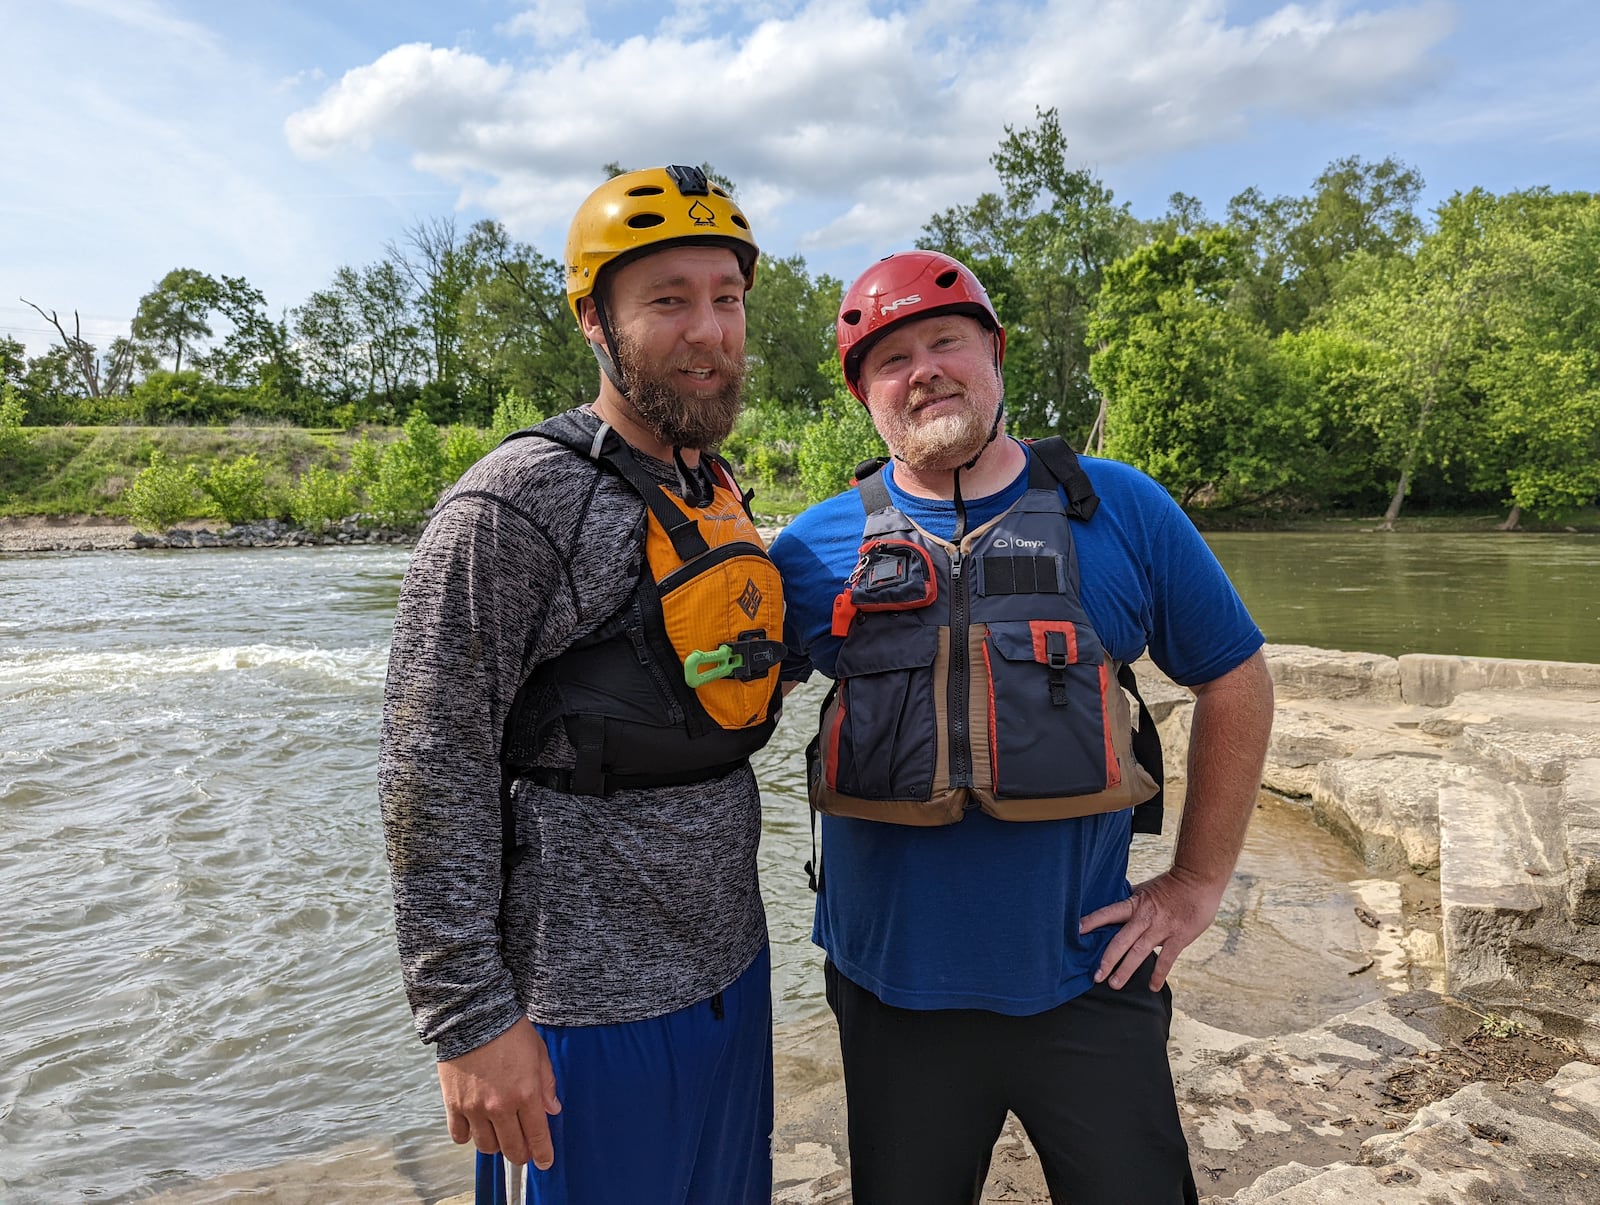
[197,972]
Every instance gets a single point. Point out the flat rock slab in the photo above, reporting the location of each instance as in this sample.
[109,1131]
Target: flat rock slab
[1434,679]
[1385,808]
[1302,672]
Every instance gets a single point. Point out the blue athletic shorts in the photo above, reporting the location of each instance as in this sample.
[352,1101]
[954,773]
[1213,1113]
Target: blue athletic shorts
[674,1110]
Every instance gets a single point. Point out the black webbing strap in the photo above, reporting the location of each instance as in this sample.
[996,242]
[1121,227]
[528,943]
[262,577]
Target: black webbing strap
[588,734]
[1063,464]
[613,450]
[1148,815]
[874,494]
[814,767]
[683,531]
[1055,649]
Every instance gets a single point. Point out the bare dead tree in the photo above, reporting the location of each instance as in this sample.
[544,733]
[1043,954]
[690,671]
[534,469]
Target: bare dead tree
[118,366]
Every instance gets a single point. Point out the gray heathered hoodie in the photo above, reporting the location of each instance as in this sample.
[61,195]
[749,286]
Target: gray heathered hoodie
[617,909]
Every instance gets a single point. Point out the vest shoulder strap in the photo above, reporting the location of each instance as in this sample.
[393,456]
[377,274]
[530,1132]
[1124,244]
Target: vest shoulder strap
[607,448]
[1062,461]
[874,494]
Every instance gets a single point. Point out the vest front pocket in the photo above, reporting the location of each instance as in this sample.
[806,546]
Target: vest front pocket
[1049,732]
[880,737]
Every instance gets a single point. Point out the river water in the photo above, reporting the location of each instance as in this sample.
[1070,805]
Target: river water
[197,973]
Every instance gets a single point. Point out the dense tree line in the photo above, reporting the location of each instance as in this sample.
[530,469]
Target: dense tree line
[1328,350]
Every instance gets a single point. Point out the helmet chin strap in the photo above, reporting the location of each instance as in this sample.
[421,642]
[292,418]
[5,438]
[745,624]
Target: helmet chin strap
[606,355]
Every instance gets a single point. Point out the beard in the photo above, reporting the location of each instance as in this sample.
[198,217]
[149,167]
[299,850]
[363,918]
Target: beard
[682,416]
[944,441]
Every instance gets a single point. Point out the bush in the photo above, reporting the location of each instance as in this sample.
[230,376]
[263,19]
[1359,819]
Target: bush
[764,444]
[185,397]
[162,494]
[513,414]
[12,437]
[403,480]
[321,497]
[463,448]
[832,447]
[237,488]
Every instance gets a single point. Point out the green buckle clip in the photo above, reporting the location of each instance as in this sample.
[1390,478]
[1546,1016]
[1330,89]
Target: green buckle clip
[719,664]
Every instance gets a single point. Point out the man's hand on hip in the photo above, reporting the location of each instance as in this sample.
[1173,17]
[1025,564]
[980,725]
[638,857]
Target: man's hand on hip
[1168,911]
[498,1095]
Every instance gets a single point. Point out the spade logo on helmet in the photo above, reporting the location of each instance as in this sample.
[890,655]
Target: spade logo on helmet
[897,303]
[702,216]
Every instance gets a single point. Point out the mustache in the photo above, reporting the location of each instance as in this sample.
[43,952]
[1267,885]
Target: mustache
[715,359]
[921,395]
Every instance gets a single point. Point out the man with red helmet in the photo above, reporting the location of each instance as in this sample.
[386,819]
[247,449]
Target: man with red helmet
[977,602]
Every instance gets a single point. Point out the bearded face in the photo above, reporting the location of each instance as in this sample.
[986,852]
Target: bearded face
[668,401]
[941,426]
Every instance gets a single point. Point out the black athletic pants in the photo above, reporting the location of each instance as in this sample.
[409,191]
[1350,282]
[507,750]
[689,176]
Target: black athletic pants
[927,1094]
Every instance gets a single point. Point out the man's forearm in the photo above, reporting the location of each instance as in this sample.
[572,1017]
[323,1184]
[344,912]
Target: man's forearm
[1227,747]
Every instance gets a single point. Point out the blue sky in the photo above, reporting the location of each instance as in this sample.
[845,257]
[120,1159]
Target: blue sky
[280,140]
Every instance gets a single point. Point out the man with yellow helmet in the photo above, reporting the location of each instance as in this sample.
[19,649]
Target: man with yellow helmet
[585,655]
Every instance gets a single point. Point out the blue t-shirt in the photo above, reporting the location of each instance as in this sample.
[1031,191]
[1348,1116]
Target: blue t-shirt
[984,913]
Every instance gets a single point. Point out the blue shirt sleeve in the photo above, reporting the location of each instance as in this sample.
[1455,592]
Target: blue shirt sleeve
[1151,582]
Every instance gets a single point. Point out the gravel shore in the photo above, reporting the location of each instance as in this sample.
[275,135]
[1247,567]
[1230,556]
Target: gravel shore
[85,533]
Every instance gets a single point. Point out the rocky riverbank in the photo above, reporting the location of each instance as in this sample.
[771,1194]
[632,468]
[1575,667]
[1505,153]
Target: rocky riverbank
[95,534]
[88,533]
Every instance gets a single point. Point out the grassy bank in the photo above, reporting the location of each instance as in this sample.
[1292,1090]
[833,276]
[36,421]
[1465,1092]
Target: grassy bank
[86,470]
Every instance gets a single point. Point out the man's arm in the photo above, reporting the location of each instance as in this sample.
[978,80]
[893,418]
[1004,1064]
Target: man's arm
[455,664]
[1227,747]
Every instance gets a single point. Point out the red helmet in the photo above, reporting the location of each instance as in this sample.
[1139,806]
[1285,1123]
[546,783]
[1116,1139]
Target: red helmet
[903,286]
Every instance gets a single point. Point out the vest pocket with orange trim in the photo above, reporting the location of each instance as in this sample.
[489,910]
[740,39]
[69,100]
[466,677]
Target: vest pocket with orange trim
[886,687]
[1050,729]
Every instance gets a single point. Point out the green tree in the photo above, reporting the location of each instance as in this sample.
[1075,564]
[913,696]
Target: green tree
[13,360]
[789,333]
[518,334]
[403,480]
[256,352]
[1041,247]
[1298,248]
[1191,383]
[833,445]
[176,313]
[513,413]
[1539,374]
[321,497]
[439,266]
[328,332]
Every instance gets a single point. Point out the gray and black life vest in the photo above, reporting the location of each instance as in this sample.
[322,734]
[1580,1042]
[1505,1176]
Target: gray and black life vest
[970,676]
[681,684]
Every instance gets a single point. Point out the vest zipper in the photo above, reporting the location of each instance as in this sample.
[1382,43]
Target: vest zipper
[960,747]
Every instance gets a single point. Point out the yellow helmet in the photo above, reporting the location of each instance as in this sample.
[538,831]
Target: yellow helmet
[637,212]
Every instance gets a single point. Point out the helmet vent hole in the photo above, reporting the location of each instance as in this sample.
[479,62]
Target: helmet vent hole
[740,222]
[643,221]
[850,317]
[646,190]
[718,191]
[945,279]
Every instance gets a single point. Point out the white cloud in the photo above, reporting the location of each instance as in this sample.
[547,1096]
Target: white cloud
[882,118]
[549,22]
